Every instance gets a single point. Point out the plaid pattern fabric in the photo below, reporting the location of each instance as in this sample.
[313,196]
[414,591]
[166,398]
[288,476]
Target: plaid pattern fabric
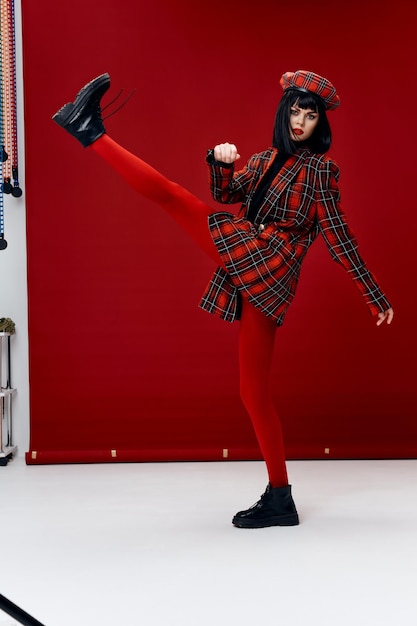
[314,83]
[263,260]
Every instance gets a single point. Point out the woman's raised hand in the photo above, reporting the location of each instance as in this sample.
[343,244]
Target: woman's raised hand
[226,153]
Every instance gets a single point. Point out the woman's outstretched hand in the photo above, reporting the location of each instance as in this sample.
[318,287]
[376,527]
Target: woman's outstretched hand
[226,153]
[385,316]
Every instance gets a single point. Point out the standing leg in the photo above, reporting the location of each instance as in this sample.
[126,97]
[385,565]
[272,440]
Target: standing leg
[256,344]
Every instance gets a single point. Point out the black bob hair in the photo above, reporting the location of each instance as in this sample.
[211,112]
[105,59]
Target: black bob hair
[321,139]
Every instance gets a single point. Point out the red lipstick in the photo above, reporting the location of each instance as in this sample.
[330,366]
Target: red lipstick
[298,131]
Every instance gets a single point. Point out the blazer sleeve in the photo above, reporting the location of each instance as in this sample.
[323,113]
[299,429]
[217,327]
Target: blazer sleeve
[341,241]
[228,186]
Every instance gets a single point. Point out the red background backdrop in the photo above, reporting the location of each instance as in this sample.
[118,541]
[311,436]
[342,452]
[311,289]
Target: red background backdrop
[121,357]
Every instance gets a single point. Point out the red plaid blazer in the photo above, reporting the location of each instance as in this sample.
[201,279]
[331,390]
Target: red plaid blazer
[263,259]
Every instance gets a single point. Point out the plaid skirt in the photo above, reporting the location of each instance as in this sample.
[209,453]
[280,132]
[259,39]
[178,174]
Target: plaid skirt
[262,264]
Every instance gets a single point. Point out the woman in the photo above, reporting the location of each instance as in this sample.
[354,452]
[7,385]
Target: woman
[289,195]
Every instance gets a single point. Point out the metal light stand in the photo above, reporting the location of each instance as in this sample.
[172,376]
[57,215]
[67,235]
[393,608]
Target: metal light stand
[17,613]
[7,449]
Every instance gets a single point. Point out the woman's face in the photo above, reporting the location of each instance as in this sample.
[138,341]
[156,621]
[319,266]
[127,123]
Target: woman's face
[302,122]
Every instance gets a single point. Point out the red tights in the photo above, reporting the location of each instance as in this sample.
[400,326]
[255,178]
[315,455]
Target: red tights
[257,332]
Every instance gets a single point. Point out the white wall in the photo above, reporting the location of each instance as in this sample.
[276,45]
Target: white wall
[13,277]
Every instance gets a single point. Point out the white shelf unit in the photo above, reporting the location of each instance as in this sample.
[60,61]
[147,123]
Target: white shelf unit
[7,448]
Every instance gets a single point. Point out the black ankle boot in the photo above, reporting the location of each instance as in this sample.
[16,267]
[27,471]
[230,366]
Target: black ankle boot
[82,118]
[274,508]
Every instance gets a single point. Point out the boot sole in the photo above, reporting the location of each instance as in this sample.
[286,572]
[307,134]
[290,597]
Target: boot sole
[289,520]
[98,85]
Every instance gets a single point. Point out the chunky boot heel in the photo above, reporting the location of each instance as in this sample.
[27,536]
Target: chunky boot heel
[82,118]
[274,508]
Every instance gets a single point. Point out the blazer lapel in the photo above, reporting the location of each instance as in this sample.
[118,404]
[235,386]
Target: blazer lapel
[288,172]
[284,177]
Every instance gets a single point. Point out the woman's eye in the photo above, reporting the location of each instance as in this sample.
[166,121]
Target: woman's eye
[294,112]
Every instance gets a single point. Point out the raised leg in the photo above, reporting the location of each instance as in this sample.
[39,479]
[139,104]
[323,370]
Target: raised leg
[185,208]
[82,119]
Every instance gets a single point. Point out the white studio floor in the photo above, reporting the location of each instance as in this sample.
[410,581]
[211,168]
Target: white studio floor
[153,545]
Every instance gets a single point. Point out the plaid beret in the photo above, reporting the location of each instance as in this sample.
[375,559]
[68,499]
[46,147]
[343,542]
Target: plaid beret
[308,81]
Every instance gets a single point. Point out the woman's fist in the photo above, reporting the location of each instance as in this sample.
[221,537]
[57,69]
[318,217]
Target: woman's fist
[226,153]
